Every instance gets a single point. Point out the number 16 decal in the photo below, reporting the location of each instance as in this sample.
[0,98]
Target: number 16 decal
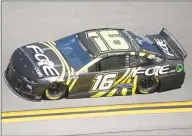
[108,40]
[103,82]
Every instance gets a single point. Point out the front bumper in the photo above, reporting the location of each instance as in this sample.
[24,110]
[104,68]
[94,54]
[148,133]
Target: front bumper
[19,85]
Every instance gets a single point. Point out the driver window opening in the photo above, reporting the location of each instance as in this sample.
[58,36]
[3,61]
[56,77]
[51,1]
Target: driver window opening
[109,63]
[137,61]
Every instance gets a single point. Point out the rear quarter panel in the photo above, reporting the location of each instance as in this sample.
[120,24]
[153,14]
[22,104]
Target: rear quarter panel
[173,79]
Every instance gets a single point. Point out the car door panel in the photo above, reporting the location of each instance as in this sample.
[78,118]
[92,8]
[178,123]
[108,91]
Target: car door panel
[85,83]
[82,85]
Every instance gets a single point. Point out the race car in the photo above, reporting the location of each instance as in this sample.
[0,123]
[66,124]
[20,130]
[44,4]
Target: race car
[94,63]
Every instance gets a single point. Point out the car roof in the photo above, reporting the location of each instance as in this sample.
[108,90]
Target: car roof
[87,39]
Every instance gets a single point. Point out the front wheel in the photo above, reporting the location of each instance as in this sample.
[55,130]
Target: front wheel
[55,91]
[148,85]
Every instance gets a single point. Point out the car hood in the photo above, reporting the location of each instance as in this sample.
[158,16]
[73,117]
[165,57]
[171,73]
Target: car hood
[37,61]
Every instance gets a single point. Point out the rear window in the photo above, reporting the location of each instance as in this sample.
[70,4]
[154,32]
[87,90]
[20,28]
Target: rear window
[146,44]
[150,47]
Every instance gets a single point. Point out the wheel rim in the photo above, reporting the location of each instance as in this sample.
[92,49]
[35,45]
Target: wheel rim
[54,89]
[147,83]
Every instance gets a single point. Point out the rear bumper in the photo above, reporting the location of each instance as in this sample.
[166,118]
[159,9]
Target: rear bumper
[19,86]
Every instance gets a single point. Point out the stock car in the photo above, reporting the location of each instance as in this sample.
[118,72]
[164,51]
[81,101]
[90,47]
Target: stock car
[94,63]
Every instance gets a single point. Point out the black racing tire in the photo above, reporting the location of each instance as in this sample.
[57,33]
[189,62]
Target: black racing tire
[56,91]
[153,85]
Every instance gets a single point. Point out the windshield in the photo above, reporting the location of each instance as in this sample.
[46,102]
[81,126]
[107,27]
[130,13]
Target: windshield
[146,44]
[73,51]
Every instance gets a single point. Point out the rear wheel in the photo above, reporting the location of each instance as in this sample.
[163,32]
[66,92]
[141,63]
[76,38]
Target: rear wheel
[55,91]
[148,85]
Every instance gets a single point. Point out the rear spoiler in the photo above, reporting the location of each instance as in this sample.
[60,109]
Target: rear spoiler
[174,43]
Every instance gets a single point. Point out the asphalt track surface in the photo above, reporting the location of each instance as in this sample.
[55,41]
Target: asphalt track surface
[27,22]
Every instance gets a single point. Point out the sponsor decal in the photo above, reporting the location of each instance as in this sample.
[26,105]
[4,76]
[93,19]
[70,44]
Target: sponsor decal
[172,71]
[156,71]
[38,72]
[179,68]
[158,59]
[116,53]
[43,62]
[163,45]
